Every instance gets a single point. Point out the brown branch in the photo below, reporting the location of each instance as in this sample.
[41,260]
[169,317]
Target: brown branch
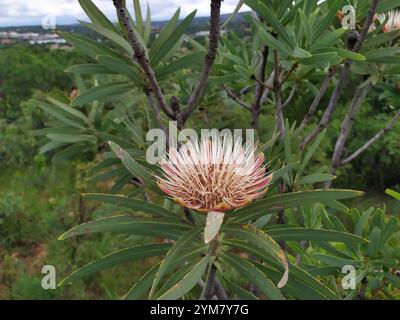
[317,100]
[208,60]
[367,23]
[175,105]
[375,138]
[347,124]
[211,278]
[236,98]
[219,290]
[141,58]
[331,105]
[188,215]
[278,99]
[268,86]
[343,78]
[290,97]
[292,69]
[210,283]
[256,107]
[153,105]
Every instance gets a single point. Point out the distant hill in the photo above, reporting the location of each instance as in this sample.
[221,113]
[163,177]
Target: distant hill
[198,24]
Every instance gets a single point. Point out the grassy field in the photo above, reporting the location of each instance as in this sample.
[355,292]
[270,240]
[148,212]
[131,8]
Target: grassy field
[42,205]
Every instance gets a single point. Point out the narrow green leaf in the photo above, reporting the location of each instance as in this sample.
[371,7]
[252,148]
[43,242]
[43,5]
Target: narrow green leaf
[314,235]
[312,149]
[265,242]
[117,258]
[111,35]
[393,193]
[381,38]
[188,282]
[88,46]
[253,274]
[346,54]
[316,177]
[318,57]
[327,20]
[135,168]
[142,285]
[269,16]
[328,38]
[109,174]
[176,276]
[129,225]
[233,14]
[138,16]
[147,29]
[69,152]
[267,39]
[335,261]
[278,174]
[165,48]
[172,254]
[70,110]
[301,53]
[165,33]
[296,273]
[95,15]
[359,228]
[50,146]
[380,54]
[388,231]
[295,288]
[289,200]
[89,68]
[120,66]
[130,203]
[139,288]
[386,5]
[104,92]
[61,116]
[374,245]
[184,62]
[65,138]
[241,293]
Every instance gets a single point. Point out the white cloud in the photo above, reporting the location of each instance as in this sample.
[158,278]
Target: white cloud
[22,12]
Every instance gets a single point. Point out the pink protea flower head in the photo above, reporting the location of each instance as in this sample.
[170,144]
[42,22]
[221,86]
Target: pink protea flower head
[392,21]
[215,173]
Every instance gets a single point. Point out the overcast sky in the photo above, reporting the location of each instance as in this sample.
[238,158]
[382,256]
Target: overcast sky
[31,12]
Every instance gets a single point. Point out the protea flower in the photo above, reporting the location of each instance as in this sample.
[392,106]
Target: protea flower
[214,174]
[392,22]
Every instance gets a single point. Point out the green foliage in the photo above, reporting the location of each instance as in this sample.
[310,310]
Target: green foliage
[28,69]
[188,239]
[308,42]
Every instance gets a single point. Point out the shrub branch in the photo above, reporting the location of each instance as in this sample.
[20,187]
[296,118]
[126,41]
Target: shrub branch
[343,78]
[141,58]
[208,60]
[260,88]
[375,138]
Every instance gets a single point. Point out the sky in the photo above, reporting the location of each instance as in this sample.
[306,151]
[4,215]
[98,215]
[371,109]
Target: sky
[32,12]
